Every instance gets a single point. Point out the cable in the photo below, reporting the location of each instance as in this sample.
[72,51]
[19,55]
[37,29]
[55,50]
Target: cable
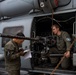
[57,21]
[65,4]
[65,20]
[51,19]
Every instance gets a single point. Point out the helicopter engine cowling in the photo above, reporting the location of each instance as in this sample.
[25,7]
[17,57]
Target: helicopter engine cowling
[11,8]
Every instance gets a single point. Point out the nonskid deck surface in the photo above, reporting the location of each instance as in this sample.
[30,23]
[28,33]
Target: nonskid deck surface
[3,72]
[57,72]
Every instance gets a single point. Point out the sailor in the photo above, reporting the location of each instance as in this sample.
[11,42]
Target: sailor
[12,55]
[63,42]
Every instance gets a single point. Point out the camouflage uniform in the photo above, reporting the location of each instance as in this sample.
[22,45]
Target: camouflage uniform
[62,45]
[12,58]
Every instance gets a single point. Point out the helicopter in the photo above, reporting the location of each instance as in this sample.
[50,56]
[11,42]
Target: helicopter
[35,18]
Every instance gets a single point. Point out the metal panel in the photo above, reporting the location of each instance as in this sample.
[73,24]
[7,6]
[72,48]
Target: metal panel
[74,3]
[26,22]
[74,59]
[16,7]
[67,7]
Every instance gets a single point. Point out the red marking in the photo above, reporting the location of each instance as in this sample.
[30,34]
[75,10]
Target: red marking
[56,2]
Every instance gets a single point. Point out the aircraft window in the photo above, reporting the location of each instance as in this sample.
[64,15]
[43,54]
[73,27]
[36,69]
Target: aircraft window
[10,31]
